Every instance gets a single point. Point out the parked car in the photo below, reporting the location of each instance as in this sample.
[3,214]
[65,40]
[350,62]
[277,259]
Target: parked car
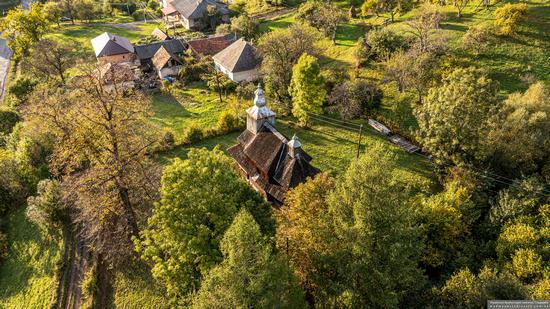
[65,18]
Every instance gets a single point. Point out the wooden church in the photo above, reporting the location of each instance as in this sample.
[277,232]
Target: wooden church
[270,162]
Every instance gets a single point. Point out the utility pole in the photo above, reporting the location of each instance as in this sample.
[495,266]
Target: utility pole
[359,144]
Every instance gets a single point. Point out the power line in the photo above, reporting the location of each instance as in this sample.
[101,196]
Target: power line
[483,173]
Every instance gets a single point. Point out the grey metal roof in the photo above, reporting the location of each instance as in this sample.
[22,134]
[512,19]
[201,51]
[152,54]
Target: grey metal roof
[238,57]
[108,44]
[193,9]
[174,46]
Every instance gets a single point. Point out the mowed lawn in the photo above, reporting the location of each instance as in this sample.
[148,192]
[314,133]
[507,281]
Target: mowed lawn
[82,33]
[194,104]
[27,274]
[332,148]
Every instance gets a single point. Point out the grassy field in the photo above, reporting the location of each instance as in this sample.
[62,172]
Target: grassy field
[82,33]
[194,104]
[27,275]
[332,149]
[135,288]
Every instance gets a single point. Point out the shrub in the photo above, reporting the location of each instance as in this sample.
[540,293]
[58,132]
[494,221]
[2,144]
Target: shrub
[46,208]
[508,16]
[383,42]
[228,122]
[478,37]
[192,134]
[21,88]
[8,119]
[527,264]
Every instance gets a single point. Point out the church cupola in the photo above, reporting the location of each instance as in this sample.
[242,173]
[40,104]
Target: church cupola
[258,114]
[294,147]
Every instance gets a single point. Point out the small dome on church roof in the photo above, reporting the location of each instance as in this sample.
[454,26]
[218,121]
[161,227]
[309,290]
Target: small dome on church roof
[259,97]
[294,142]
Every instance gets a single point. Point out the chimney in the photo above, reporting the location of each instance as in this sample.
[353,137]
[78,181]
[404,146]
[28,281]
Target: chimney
[259,113]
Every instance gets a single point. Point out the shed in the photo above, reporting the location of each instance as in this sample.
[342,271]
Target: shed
[166,63]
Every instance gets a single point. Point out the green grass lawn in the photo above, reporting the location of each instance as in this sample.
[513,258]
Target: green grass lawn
[135,288]
[332,149]
[27,275]
[194,104]
[82,33]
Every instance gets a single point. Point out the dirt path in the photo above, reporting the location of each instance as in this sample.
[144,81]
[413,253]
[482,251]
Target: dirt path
[274,14]
[78,268]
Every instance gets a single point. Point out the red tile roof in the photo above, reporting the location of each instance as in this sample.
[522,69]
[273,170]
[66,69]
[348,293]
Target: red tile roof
[212,45]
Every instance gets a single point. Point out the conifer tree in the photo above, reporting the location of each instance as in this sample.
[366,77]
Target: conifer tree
[251,275]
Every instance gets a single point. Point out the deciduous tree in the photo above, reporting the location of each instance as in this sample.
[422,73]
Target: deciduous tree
[453,119]
[280,50]
[102,137]
[307,88]
[50,59]
[304,232]
[22,28]
[200,197]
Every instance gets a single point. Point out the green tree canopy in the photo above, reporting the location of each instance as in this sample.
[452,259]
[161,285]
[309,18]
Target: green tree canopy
[200,196]
[307,88]
[519,134]
[22,28]
[251,274]
[453,120]
[379,242]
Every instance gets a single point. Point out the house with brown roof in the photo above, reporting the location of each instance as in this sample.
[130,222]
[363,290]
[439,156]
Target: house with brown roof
[111,48]
[211,45]
[189,13]
[160,35]
[239,61]
[166,63]
[270,162]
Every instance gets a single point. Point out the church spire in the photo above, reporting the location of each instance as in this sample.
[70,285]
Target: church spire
[259,97]
[259,113]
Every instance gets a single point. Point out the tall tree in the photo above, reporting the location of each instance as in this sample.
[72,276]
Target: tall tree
[379,242]
[22,28]
[280,49]
[307,88]
[200,197]
[454,117]
[102,137]
[52,12]
[50,59]
[303,230]
[518,132]
[251,274]
[324,16]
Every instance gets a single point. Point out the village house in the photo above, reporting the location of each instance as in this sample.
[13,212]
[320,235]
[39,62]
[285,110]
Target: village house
[146,52]
[166,63]
[188,13]
[111,48]
[239,61]
[271,163]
